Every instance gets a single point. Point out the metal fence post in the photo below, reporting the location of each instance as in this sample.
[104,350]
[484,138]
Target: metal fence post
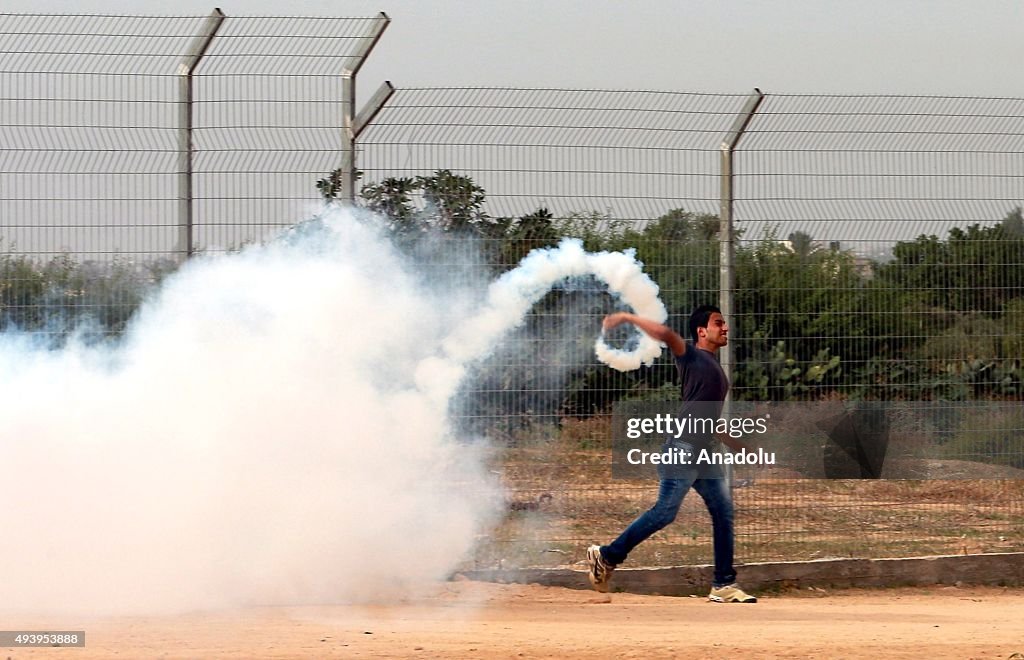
[372,107]
[727,237]
[185,146]
[350,125]
[726,232]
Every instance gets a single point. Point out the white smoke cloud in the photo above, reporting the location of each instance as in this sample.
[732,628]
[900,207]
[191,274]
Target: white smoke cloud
[515,292]
[272,429]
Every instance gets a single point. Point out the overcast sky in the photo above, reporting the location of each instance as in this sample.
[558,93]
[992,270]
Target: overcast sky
[941,47]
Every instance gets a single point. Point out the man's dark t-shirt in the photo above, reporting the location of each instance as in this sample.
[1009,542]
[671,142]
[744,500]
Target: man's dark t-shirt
[701,376]
[702,380]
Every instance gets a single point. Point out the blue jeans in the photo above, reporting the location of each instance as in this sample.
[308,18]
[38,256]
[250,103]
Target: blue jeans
[713,488]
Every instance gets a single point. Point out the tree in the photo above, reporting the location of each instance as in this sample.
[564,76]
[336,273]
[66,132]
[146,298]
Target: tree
[453,201]
[802,245]
[1013,223]
[392,199]
[680,225]
[705,227]
[531,231]
[680,251]
[330,186]
[977,270]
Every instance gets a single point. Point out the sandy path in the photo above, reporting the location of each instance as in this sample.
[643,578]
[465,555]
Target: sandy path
[471,620]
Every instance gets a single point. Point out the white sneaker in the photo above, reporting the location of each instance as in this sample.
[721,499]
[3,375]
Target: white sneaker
[600,571]
[730,593]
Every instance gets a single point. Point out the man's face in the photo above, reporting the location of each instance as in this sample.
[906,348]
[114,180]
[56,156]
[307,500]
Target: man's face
[717,332]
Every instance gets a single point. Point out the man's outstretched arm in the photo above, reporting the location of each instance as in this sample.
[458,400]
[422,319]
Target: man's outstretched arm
[653,329]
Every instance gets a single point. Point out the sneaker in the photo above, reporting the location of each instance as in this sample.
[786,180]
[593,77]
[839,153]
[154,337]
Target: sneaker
[730,593]
[600,570]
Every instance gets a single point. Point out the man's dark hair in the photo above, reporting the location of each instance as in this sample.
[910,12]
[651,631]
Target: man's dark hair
[699,319]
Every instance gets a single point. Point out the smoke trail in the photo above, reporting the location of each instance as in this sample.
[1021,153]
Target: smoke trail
[271,429]
[512,295]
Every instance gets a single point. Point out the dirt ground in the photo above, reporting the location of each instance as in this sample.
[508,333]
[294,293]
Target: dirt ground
[474,620]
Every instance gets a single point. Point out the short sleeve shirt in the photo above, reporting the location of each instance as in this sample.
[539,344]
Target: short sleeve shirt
[702,377]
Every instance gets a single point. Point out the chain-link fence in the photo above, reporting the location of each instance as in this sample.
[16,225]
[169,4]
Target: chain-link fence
[880,256]
[879,248]
[131,142]
[150,137]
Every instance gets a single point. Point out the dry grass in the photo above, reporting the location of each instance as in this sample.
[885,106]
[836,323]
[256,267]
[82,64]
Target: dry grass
[779,518]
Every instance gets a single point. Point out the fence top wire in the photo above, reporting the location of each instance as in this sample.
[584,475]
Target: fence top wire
[879,168]
[887,124]
[155,45]
[554,117]
[861,168]
[288,46]
[38,44]
[630,155]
